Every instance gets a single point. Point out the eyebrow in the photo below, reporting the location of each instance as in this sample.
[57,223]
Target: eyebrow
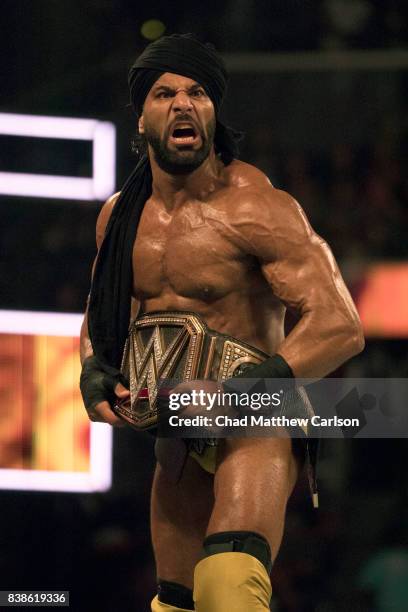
[169,89]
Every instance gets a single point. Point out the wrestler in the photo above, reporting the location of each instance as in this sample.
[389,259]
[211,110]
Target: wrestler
[195,229]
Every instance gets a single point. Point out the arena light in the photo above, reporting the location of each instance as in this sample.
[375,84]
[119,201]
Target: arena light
[97,479]
[40,323]
[102,134]
[98,476]
[152,29]
[382,300]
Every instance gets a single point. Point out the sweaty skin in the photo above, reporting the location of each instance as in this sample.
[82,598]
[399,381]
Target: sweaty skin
[221,241]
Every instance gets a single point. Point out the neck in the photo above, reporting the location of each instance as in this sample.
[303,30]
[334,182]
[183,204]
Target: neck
[173,189]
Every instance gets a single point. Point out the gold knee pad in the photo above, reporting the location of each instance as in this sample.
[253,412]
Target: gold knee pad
[158,606]
[233,582]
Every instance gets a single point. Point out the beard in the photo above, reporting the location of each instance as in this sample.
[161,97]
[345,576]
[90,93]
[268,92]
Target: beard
[184,160]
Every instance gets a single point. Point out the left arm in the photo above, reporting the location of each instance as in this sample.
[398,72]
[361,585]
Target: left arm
[301,271]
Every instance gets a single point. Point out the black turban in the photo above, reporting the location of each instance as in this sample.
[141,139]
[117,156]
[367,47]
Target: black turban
[179,54]
[185,55]
[109,303]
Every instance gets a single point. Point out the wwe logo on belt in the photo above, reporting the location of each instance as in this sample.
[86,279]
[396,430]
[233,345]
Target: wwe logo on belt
[177,345]
[154,362]
[159,346]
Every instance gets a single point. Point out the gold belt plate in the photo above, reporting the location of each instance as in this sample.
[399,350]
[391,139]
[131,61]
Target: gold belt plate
[175,345]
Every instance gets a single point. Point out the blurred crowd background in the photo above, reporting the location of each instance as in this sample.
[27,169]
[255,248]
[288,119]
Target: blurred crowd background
[335,135]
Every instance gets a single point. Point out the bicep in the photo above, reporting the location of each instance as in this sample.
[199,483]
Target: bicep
[297,263]
[101,223]
[304,274]
[103,219]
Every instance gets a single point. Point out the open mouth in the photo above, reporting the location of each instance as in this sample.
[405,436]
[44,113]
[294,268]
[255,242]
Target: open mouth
[184,135]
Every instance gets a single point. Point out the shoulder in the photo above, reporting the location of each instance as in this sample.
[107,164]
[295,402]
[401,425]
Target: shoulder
[240,175]
[104,216]
[258,218]
[253,197]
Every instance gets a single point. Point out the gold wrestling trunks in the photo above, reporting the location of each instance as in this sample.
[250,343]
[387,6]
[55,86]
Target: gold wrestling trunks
[179,345]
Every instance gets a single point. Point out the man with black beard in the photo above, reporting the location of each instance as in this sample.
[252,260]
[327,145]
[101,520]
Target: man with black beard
[185,158]
[211,254]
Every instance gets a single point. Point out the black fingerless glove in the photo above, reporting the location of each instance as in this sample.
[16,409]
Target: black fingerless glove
[273,367]
[97,385]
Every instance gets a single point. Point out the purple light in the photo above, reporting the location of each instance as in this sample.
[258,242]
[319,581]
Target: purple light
[103,137]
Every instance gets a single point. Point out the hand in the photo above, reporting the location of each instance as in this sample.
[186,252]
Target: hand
[99,391]
[102,412]
[203,397]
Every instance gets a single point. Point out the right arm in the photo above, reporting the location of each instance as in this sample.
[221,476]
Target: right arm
[101,223]
[101,410]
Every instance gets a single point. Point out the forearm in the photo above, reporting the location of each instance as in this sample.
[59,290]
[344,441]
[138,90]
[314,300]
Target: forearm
[85,347]
[320,343]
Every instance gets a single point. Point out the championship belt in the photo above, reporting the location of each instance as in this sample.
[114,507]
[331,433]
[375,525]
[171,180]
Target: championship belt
[177,345]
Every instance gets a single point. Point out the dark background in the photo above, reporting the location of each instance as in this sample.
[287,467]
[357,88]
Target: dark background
[334,138]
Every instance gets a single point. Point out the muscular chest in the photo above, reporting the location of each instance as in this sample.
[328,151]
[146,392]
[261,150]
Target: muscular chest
[183,252]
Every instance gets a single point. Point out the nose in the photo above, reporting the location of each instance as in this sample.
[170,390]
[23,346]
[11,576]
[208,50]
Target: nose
[182,101]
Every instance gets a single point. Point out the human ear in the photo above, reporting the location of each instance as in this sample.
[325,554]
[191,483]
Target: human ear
[141,125]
